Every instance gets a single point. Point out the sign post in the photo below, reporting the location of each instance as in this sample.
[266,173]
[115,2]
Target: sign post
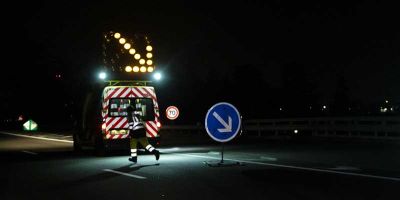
[222,123]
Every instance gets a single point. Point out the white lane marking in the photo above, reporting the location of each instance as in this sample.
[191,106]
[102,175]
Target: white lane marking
[35,137]
[30,152]
[124,174]
[299,168]
[214,152]
[268,158]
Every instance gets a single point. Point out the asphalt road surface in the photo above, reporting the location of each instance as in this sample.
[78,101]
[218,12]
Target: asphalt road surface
[45,167]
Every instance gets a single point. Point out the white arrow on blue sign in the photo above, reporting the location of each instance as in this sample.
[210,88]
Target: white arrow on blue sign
[223,122]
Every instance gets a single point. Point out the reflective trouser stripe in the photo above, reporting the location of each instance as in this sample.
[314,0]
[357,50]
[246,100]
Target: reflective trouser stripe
[133,152]
[149,148]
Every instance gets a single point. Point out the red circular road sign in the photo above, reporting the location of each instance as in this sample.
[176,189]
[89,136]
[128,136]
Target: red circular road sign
[172,112]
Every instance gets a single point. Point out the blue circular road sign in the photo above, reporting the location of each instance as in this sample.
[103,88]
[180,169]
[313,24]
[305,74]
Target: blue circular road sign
[223,122]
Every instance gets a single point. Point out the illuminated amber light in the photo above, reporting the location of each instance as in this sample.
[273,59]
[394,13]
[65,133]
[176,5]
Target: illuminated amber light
[117,35]
[127,46]
[149,48]
[132,51]
[137,56]
[128,68]
[135,69]
[150,69]
[143,69]
[122,41]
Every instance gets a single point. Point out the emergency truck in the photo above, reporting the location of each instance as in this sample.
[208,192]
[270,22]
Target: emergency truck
[104,123]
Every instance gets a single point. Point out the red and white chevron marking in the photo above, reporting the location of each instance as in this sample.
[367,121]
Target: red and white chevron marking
[151,129]
[122,122]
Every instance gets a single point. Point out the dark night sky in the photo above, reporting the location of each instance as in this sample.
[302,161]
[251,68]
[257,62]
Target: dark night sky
[205,48]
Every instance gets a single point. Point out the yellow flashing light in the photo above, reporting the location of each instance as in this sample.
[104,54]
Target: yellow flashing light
[132,51]
[149,62]
[128,68]
[122,40]
[135,69]
[137,56]
[142,69]
[117,35]
[149,55]
[150,69]
[127,46]
[149,48]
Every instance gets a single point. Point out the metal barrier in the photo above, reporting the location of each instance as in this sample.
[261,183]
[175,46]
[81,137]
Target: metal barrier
[182,129]
[344,127]
[354,127]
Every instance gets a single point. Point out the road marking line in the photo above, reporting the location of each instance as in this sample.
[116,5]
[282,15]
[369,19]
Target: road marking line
[30,152]
[299,168]
[35,137]
[124,174]
[268,158]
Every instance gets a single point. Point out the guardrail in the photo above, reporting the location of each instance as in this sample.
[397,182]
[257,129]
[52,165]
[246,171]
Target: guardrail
[344,127]
[355,127]
[183,129]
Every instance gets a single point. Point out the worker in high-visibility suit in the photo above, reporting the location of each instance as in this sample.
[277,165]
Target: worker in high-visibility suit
[137,132]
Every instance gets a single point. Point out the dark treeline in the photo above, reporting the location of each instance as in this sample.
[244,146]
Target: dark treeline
[57,101]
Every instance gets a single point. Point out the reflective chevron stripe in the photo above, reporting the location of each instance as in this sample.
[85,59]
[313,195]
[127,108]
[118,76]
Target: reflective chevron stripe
[122,122]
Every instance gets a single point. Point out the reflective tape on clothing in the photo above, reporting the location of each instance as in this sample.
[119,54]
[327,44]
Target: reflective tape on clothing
[138,126]
[149,148]
[133,152]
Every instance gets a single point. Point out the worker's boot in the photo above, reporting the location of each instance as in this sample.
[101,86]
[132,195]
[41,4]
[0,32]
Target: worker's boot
[156,153]
[133,159]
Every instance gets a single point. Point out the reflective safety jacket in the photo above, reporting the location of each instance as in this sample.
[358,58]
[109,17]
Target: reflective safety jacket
[135,121]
